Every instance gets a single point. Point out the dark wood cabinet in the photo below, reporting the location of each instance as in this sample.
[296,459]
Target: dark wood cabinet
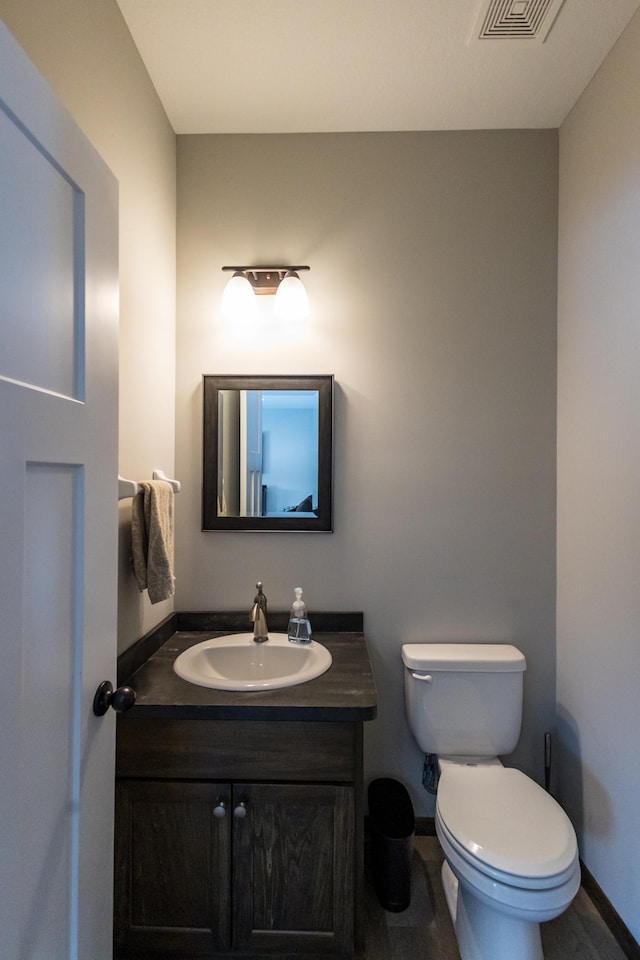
[292,874]
[172,870]
[210,866]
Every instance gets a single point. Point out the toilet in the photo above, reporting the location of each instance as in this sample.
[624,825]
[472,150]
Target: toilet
[511,855]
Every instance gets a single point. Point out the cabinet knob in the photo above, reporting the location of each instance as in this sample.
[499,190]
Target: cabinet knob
[220,808]
[240,811]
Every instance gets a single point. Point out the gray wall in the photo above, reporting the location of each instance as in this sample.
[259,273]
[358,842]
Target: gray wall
[433,294]
[599,475]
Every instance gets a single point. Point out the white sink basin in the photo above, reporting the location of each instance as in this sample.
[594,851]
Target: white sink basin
[237,662]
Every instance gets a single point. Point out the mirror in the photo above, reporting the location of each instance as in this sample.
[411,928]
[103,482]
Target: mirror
[267,453]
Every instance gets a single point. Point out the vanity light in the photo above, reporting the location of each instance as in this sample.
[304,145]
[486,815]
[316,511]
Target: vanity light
[238,300]
[291,303]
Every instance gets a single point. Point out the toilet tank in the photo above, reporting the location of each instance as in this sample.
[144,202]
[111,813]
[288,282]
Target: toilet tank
[464,699]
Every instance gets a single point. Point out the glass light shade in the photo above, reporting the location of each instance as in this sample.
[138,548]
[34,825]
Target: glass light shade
[292,302]
[238,298]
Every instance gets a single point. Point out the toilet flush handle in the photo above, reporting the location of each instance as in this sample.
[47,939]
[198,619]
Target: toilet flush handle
[422,676]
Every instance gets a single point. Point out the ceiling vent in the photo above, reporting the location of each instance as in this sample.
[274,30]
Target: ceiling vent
[515,19]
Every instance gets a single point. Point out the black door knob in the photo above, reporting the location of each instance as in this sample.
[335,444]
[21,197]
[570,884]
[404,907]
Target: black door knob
[121,699]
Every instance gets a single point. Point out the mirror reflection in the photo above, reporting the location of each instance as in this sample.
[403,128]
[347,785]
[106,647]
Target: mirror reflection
[267,453]
[269,444]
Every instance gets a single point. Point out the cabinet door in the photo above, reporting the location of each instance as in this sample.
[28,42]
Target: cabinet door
[293,868]
[172,869]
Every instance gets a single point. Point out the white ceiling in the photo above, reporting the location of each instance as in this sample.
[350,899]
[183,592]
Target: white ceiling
[290,66]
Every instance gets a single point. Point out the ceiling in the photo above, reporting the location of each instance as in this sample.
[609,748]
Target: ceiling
[291,66]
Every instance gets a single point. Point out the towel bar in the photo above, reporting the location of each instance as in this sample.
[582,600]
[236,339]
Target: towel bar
[160,475]
[126,488]
[129,488]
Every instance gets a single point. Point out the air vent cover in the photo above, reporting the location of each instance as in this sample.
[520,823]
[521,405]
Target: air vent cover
[515,19]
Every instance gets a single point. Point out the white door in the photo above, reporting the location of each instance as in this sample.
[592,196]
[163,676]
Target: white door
[250,454]
[58,524]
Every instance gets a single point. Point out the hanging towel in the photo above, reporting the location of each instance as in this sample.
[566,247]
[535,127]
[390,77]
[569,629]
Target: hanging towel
[152,539]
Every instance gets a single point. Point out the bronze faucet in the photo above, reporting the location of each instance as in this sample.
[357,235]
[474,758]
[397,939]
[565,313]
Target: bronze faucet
[259,615]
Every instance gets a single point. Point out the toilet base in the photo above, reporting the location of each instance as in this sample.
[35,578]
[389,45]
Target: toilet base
[484,933]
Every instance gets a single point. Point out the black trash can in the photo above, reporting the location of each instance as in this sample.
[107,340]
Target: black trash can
[392,825]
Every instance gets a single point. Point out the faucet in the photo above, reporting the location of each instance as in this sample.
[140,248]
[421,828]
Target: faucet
[259,615]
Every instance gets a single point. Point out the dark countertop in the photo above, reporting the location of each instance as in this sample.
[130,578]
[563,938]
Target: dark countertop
[346,692]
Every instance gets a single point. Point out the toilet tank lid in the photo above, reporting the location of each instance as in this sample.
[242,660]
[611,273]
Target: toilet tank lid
[478,657]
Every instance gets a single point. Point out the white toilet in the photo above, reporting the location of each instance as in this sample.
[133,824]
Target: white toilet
[511,851]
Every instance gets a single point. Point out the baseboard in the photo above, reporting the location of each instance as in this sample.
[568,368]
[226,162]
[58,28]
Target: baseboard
[425,827]
[625,939]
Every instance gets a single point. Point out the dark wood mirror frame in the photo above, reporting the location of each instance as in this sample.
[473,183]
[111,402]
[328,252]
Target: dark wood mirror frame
[321,522]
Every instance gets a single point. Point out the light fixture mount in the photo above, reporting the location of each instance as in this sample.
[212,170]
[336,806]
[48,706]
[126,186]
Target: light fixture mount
[265,279]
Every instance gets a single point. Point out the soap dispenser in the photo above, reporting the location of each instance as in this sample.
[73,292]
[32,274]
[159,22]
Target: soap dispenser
[299,626]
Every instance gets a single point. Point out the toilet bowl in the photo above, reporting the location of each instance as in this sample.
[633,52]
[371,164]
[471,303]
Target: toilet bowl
[511,855]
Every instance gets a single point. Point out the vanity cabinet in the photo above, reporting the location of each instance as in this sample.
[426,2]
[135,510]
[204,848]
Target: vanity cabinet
[237,838]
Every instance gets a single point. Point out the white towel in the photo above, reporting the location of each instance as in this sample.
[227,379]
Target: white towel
[152,539]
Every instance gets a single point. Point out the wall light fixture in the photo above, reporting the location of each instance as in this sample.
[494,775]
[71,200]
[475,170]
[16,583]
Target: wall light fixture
[291,300]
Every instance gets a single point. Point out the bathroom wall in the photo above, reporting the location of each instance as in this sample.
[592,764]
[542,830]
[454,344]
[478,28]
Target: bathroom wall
[85,52]
[599,475]
[433,296]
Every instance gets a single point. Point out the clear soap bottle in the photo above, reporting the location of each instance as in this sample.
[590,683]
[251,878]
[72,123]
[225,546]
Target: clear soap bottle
[299,626]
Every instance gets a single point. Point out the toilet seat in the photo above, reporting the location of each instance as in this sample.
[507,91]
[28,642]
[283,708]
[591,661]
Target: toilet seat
[521,893]
[506,826]
[511,898]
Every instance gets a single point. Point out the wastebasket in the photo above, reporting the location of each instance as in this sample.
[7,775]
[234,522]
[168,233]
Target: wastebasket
[392,825]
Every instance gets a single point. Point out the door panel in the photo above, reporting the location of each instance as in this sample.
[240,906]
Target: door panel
[49,720]
[42,213]
[172,869]
[293,868]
